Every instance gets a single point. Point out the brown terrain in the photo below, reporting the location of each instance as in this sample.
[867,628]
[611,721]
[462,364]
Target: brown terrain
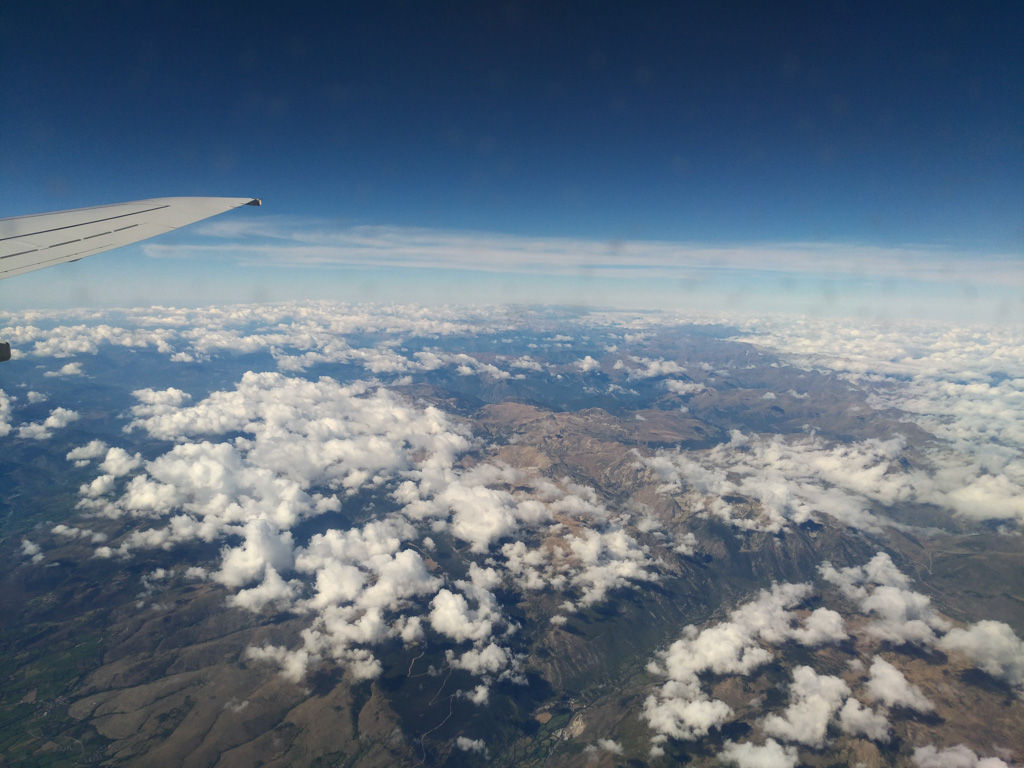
[100,682]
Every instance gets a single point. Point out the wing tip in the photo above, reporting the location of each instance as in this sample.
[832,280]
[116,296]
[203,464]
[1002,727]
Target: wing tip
[255,201]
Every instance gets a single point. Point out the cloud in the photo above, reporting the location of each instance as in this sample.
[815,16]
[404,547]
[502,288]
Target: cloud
[252,462]
[118,462]
[903,616]
[771,754]
[859,720]
[365,608]
[5,413]
[264,548]
[58,419]
[480,514]
[959,756]
[880,589]
[993,647]
[591,562]
[488,659]
[680,708]
[100,486]
[813,700]
[609,560]
[71,369]
[32,550]
[244,467]
[470,745]
[293,664]
[452,615]
[68,341]
[83,453]
[297,243]
[686,544]
[297,435]
[684,713]
[683,387]
[888,685]
[273,590]
[792,479]
[610,746]
[304,434]
[649,368]
[526,363]
[963,384]
[788,480]
[72,532]
[296,334]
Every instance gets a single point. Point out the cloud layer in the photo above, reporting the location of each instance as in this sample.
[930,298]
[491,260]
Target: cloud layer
[356,503]
[753,635]
[310,243]
[247,466]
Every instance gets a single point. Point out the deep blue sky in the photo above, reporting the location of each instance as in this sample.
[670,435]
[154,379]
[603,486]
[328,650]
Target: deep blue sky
[869,123]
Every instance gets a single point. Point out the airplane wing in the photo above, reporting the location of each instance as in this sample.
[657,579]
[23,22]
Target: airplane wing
[45,239]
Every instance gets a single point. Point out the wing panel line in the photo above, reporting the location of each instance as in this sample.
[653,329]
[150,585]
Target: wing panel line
[86,223]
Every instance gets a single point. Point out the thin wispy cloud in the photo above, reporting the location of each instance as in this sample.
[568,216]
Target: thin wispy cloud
[283,241]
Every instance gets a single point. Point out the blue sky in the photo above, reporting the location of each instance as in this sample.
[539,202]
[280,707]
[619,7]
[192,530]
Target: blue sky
[738,124]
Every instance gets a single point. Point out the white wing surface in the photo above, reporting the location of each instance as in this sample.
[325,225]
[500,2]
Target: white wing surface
[45,239]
